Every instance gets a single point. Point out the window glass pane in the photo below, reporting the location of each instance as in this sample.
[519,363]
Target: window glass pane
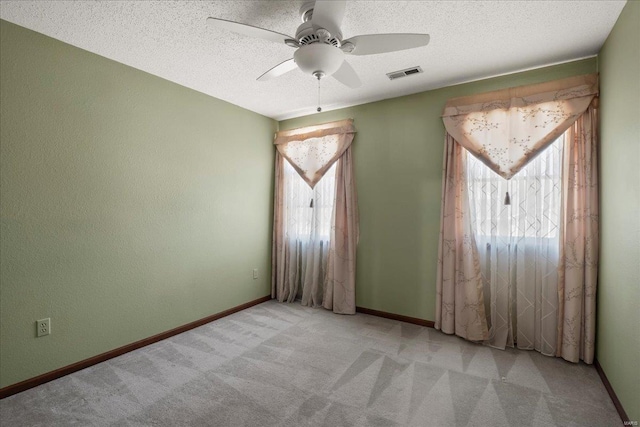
[534,191]
[307,220]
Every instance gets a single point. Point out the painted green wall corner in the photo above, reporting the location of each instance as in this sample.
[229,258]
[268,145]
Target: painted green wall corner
[618,335]
[130,205]
[398,162]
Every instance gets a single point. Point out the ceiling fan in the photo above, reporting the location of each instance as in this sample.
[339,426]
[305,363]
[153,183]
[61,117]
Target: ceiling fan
[320,48]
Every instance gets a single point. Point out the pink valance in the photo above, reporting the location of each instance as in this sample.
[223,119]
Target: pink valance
[505,129]
[312,150]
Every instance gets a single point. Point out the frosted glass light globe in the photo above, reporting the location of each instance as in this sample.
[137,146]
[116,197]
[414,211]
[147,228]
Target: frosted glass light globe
[319,57]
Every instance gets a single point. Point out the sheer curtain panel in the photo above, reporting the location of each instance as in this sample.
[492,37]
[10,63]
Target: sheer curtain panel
[307,227]
[518,245]
[315,217]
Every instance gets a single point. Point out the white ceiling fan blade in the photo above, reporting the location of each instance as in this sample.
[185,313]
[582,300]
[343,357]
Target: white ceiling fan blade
[248,30]
[382,43]
[347,76]
[328,14]
[278,70]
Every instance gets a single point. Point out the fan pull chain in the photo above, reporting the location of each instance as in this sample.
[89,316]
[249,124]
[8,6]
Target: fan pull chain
[319,109]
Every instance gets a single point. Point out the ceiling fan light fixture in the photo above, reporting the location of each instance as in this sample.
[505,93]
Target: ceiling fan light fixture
[319,57]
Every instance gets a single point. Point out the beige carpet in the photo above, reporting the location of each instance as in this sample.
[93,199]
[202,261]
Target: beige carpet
[287,365]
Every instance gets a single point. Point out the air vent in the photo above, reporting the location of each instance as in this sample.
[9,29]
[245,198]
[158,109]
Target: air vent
[404,73]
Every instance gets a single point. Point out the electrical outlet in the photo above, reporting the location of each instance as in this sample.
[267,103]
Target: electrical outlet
[255,273]
[44,327]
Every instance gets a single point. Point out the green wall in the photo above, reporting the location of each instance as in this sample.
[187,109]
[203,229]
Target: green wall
[398,162]
[130,204]
[618,339]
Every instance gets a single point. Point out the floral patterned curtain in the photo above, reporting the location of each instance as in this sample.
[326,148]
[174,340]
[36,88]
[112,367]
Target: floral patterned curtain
[313,150]
[578,273]
[326,276]
[506,130]
[460,305]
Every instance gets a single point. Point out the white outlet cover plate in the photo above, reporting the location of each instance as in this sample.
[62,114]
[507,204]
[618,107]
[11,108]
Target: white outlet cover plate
[43,327]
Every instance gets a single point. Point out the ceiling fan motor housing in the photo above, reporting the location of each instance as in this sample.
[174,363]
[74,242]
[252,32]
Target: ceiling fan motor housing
[307,33]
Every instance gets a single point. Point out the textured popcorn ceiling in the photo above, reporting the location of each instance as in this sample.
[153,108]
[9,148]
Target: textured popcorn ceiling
[469,40]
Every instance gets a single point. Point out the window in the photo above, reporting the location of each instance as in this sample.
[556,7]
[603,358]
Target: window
[309,210]
[534,211]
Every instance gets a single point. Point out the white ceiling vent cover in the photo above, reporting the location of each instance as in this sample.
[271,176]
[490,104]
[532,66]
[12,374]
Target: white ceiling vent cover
[404,73]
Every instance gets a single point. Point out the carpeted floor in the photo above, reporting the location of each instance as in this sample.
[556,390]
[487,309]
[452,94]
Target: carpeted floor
[287,365]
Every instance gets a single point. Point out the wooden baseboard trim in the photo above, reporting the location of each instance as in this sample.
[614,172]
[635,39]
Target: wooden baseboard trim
[66,370]
[393,316]
[612,394]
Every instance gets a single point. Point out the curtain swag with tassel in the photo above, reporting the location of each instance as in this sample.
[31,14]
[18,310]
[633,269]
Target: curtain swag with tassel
[506,130]
[312,151]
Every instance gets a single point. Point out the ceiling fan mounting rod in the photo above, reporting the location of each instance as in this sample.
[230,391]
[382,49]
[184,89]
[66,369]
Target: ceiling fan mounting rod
[306,16]
[306,10]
